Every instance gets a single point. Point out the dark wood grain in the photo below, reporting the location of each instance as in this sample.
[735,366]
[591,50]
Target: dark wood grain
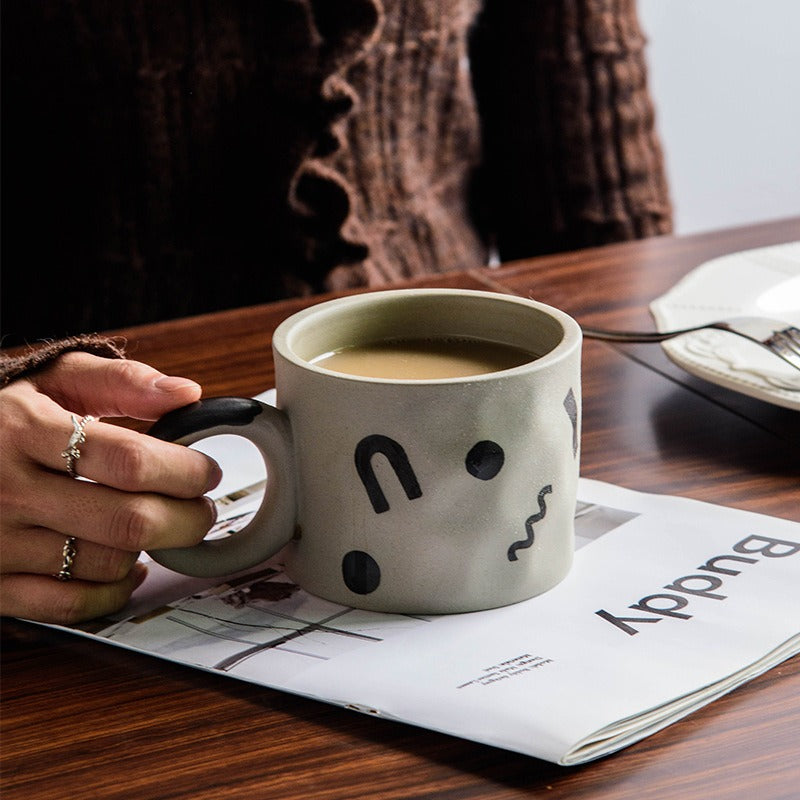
[85,720]
[612,286]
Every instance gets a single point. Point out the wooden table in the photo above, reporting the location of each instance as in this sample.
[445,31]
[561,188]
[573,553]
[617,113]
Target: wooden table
[81,719]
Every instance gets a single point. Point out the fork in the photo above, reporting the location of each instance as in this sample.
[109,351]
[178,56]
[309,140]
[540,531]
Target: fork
[779,338]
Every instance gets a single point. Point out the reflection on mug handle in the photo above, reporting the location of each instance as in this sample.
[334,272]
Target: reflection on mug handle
[272,526]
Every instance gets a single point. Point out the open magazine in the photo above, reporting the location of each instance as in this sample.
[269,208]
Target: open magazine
[670,603]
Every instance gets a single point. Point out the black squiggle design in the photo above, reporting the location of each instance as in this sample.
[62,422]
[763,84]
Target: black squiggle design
[527,542]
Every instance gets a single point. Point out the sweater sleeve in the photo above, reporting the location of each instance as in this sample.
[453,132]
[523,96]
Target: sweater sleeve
[571,154]
[17,366]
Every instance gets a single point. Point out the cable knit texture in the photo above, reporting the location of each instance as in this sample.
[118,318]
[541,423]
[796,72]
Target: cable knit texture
[180,157]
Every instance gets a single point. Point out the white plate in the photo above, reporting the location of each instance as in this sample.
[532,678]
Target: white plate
[763,283]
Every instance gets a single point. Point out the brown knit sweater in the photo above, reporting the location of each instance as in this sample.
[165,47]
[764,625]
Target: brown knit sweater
[176,157]
[25,362]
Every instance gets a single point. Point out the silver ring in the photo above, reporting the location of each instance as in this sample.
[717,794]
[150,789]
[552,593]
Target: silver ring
[72,453]
[68,553]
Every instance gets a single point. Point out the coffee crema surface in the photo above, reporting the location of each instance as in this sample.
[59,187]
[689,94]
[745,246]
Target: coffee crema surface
[424,359]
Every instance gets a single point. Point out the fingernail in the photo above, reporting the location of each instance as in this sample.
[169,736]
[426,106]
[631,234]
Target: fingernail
[171,383]
[213,510]
[141,573]
[215,477]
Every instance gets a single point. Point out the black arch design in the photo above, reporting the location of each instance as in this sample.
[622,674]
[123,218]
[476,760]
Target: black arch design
[527,542]
[377,443]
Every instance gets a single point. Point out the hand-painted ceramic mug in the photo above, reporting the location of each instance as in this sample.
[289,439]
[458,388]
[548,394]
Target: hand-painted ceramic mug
[401,486]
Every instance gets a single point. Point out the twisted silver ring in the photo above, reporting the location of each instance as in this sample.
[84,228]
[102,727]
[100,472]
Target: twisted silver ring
[69,552]
[73,453]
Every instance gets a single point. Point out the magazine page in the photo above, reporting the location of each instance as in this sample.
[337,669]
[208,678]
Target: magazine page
[670,603]
[636,637]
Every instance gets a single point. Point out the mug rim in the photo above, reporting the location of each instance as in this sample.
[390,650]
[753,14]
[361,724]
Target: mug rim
[281,340]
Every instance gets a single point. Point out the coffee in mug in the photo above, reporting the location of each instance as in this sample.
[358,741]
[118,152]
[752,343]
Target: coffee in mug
[423,359]
[409,490]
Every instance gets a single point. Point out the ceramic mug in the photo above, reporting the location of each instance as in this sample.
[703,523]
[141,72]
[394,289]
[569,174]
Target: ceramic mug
[408,495]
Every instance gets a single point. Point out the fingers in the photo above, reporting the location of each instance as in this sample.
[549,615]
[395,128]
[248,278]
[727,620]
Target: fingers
[45,599]
[133,462]
[142,493]
[88,384]
[110,517]
[40,552]
[117,457]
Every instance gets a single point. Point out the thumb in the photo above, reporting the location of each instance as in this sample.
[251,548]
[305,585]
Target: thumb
[89,384]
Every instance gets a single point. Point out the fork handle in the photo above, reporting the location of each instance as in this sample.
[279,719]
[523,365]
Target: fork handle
[637,337]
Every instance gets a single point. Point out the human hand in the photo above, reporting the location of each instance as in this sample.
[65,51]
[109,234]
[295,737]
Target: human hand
[142,493]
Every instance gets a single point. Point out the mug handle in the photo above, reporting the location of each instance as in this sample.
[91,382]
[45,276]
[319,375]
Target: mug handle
[273,524]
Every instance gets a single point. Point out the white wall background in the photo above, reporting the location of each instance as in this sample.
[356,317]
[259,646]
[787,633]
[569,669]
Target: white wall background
[725,78]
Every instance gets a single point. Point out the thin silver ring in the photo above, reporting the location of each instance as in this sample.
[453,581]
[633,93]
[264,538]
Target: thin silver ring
[68,553]
[78,437]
